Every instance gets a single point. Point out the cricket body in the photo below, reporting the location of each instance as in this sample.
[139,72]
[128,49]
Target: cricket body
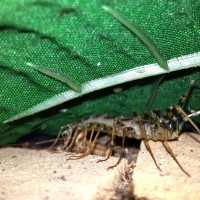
[154,126]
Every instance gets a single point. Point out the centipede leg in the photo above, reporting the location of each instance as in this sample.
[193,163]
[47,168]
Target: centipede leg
[92,145]
[188,119]
[184,98]
[151,153]
[169,150]
[88,150]
[58,137]
[69,136]
[72,141]
[110,153]
[121,154]
[111,144]
[146,142]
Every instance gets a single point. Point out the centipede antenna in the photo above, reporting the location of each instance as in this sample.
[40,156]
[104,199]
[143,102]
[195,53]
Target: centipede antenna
[169,150]
[188,118]
[151,153]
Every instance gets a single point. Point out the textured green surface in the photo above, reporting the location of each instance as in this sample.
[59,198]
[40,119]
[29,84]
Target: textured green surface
[80,39]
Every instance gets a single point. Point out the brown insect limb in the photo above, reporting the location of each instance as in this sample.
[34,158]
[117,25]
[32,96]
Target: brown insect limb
[95,139]
[169,150]
[151,153]
[184,98]
[89,149]
[47,141]
[80,133]
[111,144]
[91,144]
[77,136]
[65,147]
[187,118]
[109,154]
[58,137]
[143,132]
[67,139]
[122,152]
[85,136]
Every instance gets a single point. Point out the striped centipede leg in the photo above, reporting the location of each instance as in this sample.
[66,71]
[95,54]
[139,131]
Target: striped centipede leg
[122,152]
[184,98]
[72,141]
[169,150]
[77,136]
[111,144]
[69,136]
[58,137]
[146,142]
[151,153]
[115,123]
[187,118]
[89,148]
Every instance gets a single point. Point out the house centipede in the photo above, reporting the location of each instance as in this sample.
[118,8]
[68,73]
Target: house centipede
[155,126]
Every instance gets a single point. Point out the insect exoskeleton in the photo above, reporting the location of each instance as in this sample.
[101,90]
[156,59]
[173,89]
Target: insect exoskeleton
[85,136]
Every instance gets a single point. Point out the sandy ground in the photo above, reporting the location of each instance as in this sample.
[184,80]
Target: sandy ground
[32,174]
[38,174]
[170,183]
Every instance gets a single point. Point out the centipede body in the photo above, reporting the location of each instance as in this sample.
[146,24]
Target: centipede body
[155,126]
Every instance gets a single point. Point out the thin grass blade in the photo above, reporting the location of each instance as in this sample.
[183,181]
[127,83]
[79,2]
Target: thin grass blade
[60,76]
[141,35]
[154,90]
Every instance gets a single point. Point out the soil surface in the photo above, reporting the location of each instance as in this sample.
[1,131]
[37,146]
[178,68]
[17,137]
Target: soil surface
[39,174]
[170,183]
